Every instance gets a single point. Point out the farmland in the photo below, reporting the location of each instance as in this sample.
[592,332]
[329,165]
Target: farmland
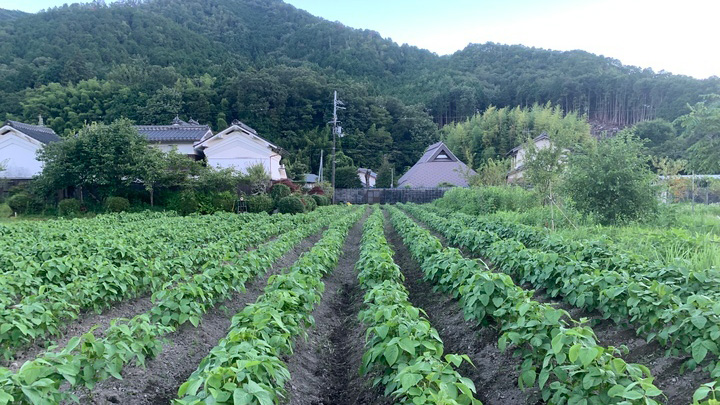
[347,304]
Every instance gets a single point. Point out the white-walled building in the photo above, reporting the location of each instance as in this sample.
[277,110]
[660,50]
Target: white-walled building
[367,175]
[240,147]
[518,157]
[19,144]
[179,135]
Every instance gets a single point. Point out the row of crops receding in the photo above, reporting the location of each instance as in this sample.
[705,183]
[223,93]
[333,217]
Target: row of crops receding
[188,267]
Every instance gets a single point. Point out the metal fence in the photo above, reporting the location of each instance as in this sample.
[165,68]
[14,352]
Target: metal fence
[388,195]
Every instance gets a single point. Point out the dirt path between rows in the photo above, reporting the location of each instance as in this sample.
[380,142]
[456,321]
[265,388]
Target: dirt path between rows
[677,387]
[325,368]
[495,373]
[185,348]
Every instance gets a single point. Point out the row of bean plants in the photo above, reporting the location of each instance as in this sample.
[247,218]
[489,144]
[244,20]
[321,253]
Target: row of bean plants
[87,360]
[564,361]
[689,325]
[402,346]
[43,314]
[600,253]
[246,366]
[60,262]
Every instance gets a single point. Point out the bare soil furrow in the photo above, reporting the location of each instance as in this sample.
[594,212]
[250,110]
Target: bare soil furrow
[159,381]
[325,367]
[494,373]
[678,387]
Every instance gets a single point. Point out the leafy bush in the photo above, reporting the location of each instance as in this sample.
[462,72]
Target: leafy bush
[211,202]
[320,200]
[69,207]
[183,202]
[22,203]
[309,203]
[279,191]
[613,181]
[291,205]
[117,204]
[486,200]
[260,203]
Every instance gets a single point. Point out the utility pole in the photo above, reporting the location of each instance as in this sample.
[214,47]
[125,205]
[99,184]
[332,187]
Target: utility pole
[337,132]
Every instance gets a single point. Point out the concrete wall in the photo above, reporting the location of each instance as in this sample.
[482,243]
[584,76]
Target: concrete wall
[388,195]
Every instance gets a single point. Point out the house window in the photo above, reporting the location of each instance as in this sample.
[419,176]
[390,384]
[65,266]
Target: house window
[442,156]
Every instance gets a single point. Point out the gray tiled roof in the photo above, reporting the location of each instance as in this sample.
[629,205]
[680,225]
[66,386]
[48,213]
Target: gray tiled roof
[37,132]
[179,131]
[430,170]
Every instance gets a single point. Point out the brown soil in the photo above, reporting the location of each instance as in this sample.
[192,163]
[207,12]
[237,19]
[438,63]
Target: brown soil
[676,386]
[184,349]
[325,366]
[494,373]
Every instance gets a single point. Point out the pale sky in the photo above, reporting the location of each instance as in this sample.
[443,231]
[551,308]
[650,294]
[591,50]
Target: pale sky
[678,36]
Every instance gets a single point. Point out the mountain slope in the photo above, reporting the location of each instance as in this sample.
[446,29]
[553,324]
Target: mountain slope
[7,15]
[274,66]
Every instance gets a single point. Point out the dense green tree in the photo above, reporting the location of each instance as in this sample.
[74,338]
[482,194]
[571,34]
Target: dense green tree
[701,136]
[612,180]
[347,177]
[385,174]
[103,159]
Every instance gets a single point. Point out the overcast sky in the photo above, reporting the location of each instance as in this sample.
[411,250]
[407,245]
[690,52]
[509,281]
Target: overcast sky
[679,36]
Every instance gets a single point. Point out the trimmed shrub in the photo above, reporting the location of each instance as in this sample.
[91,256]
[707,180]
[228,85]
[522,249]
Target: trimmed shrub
[22,203]
[279,191]
[260,203]
[293,187]
[321,200]
[69,207]
[316,190]
[309,203]
[117,204]
[291,205]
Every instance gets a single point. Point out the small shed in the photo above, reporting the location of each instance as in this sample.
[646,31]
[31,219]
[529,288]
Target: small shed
[437,166]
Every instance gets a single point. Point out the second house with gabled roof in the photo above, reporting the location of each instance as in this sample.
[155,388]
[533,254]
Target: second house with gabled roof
[19,145]
[437,167]
[179,135]
[238,146]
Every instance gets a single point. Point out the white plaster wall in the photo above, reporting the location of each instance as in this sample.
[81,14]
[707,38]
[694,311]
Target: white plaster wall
[182,148]
[19,156]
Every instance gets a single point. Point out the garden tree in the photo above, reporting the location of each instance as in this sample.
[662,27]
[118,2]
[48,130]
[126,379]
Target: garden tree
[258,178]
[611,180]
[493,172]
[347,177]
[167,170]
[103,159]
[544,166]
[385,174]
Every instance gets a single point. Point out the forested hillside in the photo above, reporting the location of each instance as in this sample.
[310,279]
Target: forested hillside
[275,67]
[6,15]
